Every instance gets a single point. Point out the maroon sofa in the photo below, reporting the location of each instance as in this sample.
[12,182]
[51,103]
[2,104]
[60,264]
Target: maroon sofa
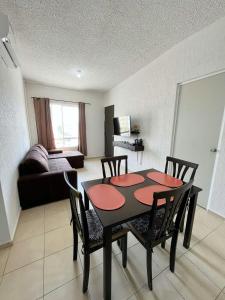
[41,179]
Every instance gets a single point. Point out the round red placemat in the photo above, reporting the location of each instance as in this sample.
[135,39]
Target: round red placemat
[106,197]
[165,179]
[145,194]
[127,179]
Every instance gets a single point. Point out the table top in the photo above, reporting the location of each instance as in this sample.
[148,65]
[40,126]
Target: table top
[132,207]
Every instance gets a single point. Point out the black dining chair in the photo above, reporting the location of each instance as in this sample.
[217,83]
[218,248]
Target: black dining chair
[87,224]
[181,169]
[114,165]
[161,223]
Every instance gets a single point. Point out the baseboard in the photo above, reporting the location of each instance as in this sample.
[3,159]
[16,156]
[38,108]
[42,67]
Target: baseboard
[16,224]
[7,244]
[216,213]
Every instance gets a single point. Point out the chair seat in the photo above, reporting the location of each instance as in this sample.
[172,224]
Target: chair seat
[142,224]
[95,227]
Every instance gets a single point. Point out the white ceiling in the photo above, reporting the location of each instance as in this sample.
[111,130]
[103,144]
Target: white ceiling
[108,39]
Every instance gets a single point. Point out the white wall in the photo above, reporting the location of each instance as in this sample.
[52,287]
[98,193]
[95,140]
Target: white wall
[94,112]
[217,199]
[14,143]
[149,95]
[4,226]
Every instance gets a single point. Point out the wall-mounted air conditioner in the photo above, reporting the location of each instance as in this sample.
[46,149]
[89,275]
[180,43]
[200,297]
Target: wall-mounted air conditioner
[7,53]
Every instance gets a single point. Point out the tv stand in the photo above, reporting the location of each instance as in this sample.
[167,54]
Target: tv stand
[129,146]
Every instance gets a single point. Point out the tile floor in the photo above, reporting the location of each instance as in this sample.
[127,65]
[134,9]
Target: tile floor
[39,265]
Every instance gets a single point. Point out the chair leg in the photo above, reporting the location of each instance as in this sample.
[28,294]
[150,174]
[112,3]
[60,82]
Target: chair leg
[75,243]
[124,251]
[173,248]
[86,272]
[149,268]
[182,221]
[163,244]
[119,244]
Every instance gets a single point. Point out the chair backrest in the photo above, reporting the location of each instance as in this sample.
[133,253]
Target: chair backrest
[180,168]
[162,217]
[114,164]
[76,204]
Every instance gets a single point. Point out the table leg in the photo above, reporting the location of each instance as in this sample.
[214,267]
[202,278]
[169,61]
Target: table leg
[86,201]
[190,220]
[107,264]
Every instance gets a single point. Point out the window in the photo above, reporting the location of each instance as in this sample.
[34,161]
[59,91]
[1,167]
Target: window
[65,120]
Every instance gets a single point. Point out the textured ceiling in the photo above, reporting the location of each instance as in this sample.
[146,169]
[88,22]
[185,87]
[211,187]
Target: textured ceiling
[108,39]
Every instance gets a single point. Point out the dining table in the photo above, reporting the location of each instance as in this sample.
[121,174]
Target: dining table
[130,210]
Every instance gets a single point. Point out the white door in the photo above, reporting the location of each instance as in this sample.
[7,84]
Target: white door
[199,119]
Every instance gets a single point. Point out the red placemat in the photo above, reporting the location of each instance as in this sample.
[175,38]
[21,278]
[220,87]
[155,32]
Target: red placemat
[127,179]
[106,197]
[165,179]
[145,195]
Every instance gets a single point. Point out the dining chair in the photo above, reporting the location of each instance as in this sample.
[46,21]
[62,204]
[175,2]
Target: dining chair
[183,170]
[114,165]
[87,225]
[161,223]
[179,168]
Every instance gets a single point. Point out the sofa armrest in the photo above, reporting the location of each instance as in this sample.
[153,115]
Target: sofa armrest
[55,151]
[45,187]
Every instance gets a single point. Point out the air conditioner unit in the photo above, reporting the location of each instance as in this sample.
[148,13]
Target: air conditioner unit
[7,53]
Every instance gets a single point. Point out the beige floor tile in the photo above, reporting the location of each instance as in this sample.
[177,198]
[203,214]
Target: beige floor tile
[221,229]
[56,220]
[121,288]
[209,257]
[58,239]
[4,252]
[25,252]
[70,291]
[32,214]
[96,257]
[56,207]
[200,231]
[190,282]
[29,229]
[60,268]
[130,243]
[136,270]
[221,296]
[162,256]
[208,218]
[23,284]
[162,289]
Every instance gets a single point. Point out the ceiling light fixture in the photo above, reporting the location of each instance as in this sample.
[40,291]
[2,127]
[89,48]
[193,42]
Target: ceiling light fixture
[78,73]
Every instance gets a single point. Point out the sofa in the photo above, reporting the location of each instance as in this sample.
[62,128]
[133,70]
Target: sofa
[75,158]
[41,178]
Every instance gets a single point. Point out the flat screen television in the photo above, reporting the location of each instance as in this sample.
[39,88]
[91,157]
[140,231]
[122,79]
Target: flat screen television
[122,126]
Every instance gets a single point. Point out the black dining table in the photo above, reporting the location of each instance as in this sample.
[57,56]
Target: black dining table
[130,210]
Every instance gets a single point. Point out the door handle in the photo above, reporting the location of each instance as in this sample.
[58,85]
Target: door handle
[213,150]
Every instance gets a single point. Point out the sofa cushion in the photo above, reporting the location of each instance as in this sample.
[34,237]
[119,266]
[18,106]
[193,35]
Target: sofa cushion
[33,163]
[65,154]
[59,165]
[42,149]
[38,149]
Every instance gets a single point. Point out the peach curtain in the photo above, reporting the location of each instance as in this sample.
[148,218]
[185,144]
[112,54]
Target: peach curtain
[44,122]
[82,147]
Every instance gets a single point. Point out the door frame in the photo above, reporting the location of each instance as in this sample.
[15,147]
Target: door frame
[175,119]
[112,105]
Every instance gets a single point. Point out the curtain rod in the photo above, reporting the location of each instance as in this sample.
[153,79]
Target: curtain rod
[64,100]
